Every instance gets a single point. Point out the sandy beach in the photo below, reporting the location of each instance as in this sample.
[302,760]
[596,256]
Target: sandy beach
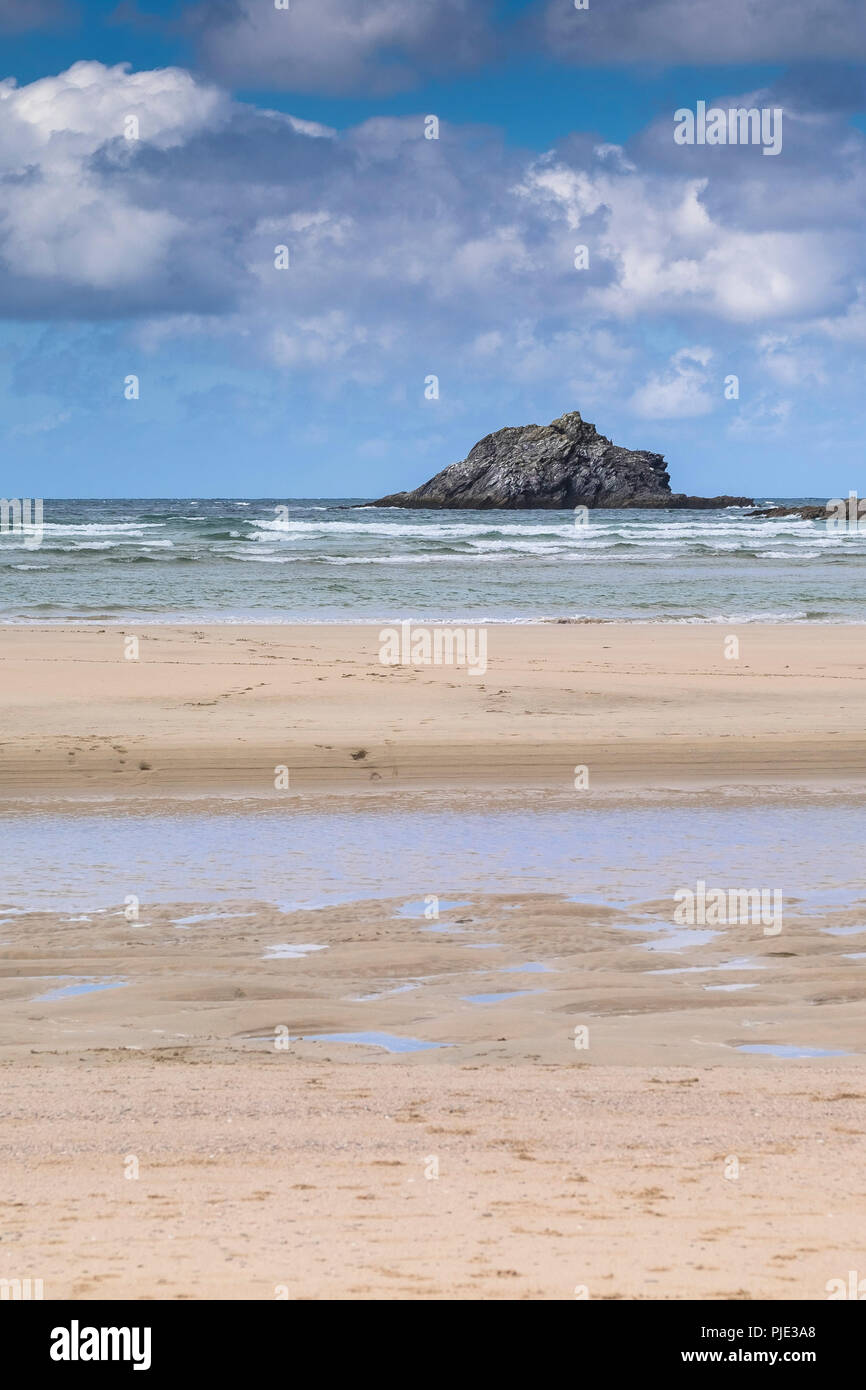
[281,1178]
[432,670]
[219,708]
[488,982]
[612,1106]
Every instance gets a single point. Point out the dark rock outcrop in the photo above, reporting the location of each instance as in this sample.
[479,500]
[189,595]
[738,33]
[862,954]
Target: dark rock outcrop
[681,501]
[562,465]
[808,513]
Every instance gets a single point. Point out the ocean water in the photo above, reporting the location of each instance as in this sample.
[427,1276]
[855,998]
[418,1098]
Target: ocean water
[327,560]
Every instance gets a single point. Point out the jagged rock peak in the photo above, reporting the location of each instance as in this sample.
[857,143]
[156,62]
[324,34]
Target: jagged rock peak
[561,465]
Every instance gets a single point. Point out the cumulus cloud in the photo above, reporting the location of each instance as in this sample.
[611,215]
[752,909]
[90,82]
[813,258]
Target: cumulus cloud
[411,256]
[671,254]
[679,393]
[63,221]
[674,32]
[341,46]
[75,238]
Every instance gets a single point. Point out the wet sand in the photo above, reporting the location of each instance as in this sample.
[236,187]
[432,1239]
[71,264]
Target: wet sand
[485,984]
[603,1137]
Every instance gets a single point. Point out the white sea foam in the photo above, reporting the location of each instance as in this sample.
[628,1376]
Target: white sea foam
[788,554]
[104,528]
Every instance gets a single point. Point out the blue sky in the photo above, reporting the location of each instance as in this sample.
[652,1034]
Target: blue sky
[409,258]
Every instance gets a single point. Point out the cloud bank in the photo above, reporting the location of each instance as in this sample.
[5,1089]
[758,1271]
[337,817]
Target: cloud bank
[377,47]
[457,256]
[673,32]
[342,46]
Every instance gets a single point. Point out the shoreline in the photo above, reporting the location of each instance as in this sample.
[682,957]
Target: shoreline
[215,621]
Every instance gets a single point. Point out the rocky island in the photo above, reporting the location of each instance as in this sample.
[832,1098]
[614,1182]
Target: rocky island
[558,466]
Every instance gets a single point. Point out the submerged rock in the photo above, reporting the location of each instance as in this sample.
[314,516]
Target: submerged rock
[562,465]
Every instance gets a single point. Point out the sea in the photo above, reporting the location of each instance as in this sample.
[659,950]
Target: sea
[271,560]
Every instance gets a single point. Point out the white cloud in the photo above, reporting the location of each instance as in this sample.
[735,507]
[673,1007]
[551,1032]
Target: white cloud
[766,417]
[64,118]
[850,326]
[786,361]
[672,255]
[681,392]
[411,256]
[70,222]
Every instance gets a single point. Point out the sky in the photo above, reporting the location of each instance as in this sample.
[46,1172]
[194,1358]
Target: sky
[154,341]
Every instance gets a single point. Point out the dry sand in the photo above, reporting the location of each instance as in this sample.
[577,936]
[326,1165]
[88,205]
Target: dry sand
[277,1177]
[218,708]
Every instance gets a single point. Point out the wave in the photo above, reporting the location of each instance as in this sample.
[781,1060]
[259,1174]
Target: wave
[594,530]
[106,528]
[424,531]
[82,545]
[621,566]
[168,562]
[789,555]
[263,558]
